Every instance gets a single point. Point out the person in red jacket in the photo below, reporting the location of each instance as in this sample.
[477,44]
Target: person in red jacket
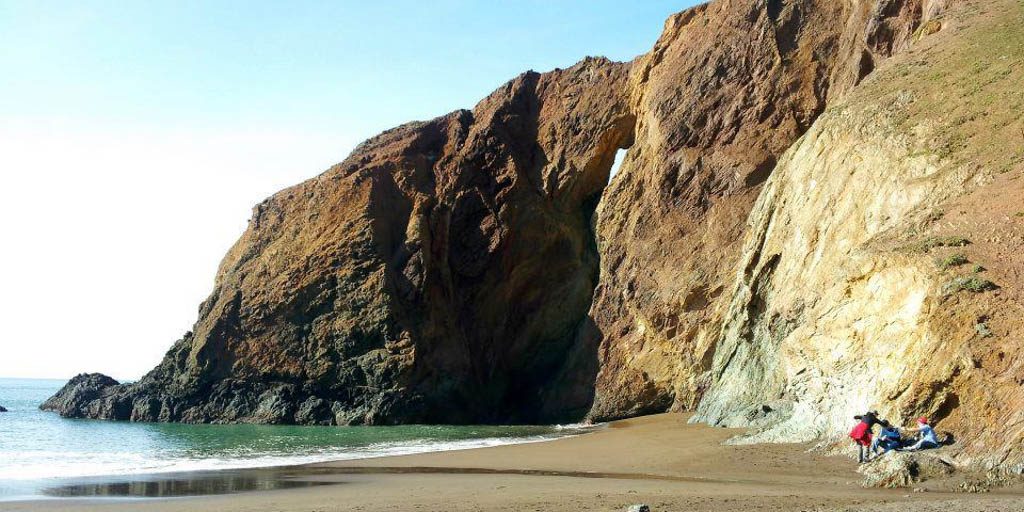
[861,434]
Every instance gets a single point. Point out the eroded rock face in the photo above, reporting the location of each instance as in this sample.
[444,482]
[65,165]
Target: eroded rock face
[850,293]
[438,274]
[726,90]
[83,396]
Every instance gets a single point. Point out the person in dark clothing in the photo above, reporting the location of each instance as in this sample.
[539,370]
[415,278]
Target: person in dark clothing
[861,433]
[871,418]
[889,438]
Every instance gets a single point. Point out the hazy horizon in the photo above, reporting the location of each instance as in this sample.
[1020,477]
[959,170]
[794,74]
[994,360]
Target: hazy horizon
[134,140]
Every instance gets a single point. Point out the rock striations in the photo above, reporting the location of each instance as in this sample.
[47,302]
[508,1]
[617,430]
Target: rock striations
[821,210]
[726,90]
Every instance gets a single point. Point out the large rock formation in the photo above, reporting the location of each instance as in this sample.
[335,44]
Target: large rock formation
[438,274]
[869,256]
[781,248]
[727,88]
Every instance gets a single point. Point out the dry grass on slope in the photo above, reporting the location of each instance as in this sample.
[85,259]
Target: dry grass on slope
[958,98]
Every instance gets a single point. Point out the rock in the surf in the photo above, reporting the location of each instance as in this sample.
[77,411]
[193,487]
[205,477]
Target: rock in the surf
[83,395]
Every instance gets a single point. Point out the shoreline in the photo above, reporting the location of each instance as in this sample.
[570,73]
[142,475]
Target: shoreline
[240,474]
[660,460]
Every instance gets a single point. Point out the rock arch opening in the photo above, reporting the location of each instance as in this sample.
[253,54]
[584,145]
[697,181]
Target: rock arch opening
[620,156]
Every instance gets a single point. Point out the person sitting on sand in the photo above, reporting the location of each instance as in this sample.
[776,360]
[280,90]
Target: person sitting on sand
[927,439]
[889,438]
[861,434]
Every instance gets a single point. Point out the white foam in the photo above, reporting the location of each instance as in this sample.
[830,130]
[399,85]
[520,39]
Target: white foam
[35,465]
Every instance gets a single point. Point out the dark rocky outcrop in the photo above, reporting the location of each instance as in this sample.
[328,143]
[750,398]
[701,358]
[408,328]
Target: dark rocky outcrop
[85,395]
[3,409]
[438,274]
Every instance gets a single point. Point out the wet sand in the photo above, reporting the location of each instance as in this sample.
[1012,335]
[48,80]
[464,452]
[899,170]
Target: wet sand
[658,460]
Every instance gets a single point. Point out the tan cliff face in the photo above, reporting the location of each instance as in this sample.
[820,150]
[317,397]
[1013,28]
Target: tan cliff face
[726,90]
[792,238]
[869,254]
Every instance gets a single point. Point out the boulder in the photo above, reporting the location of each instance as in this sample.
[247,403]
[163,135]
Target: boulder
[80,394]
[903,469]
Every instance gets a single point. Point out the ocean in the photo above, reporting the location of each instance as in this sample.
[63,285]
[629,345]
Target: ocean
[39,448]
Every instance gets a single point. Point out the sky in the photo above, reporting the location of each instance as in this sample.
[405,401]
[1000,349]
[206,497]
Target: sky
[135,137]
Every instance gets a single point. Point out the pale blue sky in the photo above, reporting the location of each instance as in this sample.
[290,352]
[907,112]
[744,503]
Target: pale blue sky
[368,65]
[136,136]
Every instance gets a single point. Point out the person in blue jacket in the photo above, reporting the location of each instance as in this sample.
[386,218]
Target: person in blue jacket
[888,439]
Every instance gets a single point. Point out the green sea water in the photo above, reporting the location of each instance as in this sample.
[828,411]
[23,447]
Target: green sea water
[37,446]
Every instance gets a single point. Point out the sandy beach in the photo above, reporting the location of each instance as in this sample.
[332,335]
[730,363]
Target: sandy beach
[658,460]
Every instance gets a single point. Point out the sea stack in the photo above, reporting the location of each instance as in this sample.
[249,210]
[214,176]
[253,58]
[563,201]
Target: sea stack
[819,211]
